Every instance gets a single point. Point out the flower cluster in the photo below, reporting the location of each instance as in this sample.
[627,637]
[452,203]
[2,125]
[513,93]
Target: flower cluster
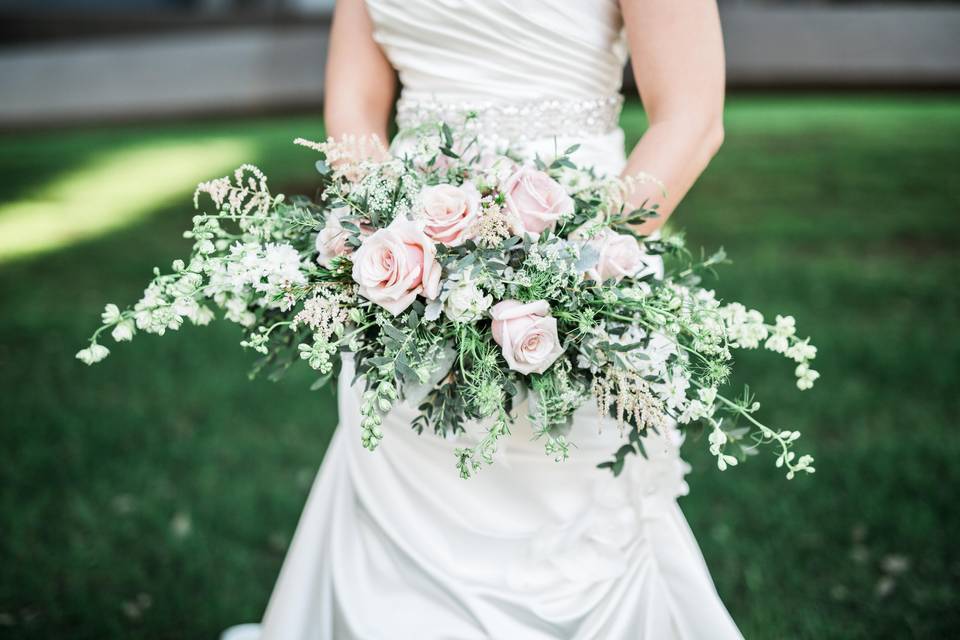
[462,279]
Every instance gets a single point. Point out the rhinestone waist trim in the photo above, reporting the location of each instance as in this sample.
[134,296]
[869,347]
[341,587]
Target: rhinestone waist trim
[516,122]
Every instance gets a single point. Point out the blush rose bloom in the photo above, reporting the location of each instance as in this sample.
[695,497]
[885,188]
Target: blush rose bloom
[332,239]
[527,335]
[534,201]
[449,212]
[396,264]
[620,257]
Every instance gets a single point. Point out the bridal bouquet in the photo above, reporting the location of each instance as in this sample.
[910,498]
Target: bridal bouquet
[462,280]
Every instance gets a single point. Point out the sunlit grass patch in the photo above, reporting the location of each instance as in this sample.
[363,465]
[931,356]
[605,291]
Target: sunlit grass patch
[118,188]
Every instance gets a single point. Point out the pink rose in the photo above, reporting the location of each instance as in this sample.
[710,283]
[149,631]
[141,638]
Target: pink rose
[332,239]
[620,257]
[394,265]
[527,335]
[449,212]
[534,201]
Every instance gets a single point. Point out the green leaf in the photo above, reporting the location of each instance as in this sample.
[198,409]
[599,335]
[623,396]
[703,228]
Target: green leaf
[404,370]
[447,134]
[394,333]
[321,382]
[626,348]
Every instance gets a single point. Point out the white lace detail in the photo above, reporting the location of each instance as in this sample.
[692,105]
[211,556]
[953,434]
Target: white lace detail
[516,122]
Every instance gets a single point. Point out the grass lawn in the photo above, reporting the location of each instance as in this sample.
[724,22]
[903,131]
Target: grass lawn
[154,496]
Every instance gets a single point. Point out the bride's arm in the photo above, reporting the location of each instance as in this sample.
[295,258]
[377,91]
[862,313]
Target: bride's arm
[677,54]
[360,83]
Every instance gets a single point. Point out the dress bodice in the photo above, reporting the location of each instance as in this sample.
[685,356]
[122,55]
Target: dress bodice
[535,75]
[503,50]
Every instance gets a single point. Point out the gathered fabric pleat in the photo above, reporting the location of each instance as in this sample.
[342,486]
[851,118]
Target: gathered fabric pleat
[393,545]
[501,49]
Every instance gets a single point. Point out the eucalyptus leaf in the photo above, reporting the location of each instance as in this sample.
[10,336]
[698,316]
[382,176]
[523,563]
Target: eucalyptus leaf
[433,310]
[321,382]
[394,333]
[589,256]
[415,393]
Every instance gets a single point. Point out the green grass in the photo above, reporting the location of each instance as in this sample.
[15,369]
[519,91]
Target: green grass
[154,495]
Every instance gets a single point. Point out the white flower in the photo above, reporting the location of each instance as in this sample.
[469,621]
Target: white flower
[786,325]
[718,438]
[675,389]
[779,341]
[237,311]
[203,316]
[805,376]
[92,354]
[699,409]
[187,285]
[708,396]
[111,314]
[724,460]
[124,331]
[466,302]
[184,306]
[281,263]
[745,328]
[802,351]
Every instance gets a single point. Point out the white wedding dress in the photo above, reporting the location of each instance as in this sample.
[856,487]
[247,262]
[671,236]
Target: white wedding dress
[393,545]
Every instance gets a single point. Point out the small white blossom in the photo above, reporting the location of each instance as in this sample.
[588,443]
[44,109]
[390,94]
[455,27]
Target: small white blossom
[805,376]
[779,340]
[718,438]
[111,314]
[707,396]
[802,351]
[93,354]
[466,302]
[203,316]
[803,464]
[124,331]
[675,389]
[745,328]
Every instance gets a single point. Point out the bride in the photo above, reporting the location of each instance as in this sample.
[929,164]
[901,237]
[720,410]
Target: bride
[394,545]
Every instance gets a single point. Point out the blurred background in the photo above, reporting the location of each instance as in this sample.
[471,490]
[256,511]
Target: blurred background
[155,495]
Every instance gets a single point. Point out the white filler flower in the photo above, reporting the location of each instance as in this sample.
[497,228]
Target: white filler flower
[466,302]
